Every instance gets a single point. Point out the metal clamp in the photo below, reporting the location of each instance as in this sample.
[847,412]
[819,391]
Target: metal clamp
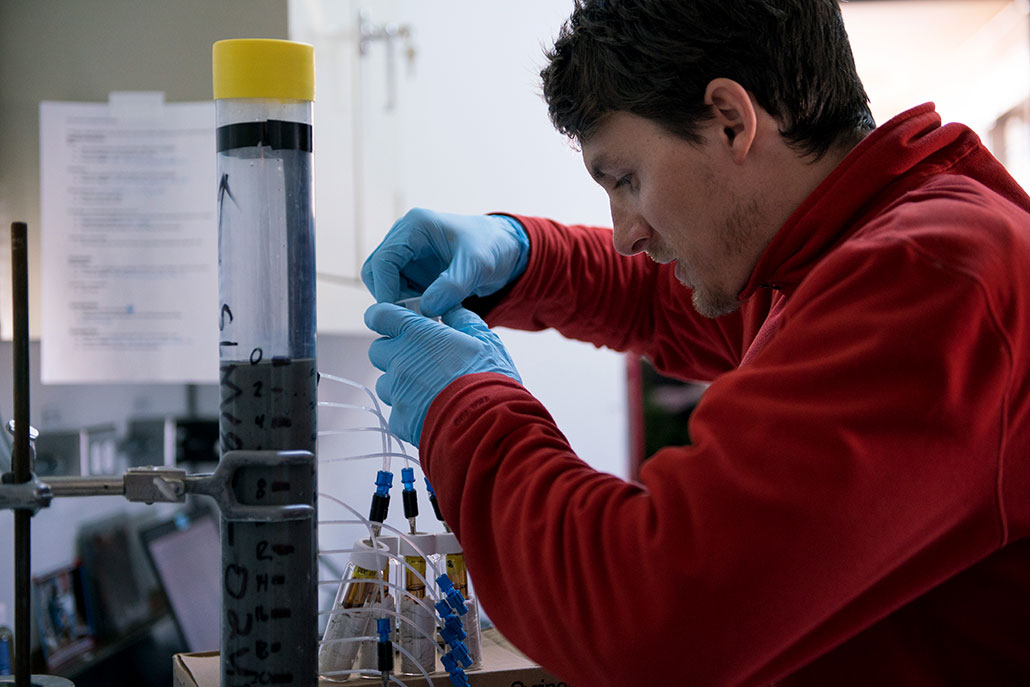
[218,485]
[142,484]
[165,485]
[31,496]
[155,484]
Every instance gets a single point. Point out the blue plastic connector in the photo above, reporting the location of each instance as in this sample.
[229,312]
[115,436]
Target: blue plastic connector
[444,609]
[461,653]
[408,478]
[381,498]
[433,502]
[454,671]
[384,481]
[452,594]
[384,648]
[453,626]
[410,497]
[459,678]
[453,632]
[383,627]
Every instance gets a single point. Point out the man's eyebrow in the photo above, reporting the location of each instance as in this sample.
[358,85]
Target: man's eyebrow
[598,165]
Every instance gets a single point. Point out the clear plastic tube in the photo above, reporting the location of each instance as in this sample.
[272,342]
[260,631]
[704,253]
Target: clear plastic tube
[266,277]
[432,563]
[266,282]
[416,636]
[385,612]
[379,412]
[366,456]
[382,425]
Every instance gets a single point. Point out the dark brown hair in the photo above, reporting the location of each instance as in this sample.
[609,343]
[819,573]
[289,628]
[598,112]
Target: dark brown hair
[654,58]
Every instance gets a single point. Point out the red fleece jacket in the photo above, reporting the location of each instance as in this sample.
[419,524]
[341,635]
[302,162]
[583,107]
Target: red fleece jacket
[855,507]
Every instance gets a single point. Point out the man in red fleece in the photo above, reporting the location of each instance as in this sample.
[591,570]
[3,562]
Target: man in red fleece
[855,507]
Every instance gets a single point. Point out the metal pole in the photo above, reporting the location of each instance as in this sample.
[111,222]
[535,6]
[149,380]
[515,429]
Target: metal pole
[20,460]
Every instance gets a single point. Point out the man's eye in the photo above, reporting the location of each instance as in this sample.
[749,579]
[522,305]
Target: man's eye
[623,180]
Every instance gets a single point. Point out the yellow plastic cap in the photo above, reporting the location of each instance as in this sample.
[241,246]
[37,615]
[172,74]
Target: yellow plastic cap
[263,68]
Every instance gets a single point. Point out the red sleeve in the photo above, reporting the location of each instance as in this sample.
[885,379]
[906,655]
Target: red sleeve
[578,284]
[819,497]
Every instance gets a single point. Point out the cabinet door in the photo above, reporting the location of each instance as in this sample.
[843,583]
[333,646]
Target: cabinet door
[457,125]
[429,103]
[360,55]
[475,135]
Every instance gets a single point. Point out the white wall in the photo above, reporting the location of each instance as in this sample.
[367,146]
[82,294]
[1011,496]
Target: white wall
[467,132]
[970,57]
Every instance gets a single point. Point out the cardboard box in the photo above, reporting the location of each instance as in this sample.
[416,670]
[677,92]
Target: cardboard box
[503,666]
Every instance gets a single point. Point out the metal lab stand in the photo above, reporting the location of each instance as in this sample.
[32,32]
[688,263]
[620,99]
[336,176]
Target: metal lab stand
[23,492]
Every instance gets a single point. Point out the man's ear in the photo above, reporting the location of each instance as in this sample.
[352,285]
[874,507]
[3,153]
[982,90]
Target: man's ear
[734,114]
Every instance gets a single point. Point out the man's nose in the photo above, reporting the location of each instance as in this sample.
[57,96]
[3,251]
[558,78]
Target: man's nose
[631,233]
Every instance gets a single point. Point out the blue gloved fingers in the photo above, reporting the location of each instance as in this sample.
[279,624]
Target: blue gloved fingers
[448,257]
[384,385]
[464,320]
[390,319]
[381,353]
[368,274]
[471,324]
[447,291]
[420,357]
[409,257]
[382,270]
[406,426]
[479,267]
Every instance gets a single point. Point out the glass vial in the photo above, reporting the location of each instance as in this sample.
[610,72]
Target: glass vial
[362,586]
[417,629]
[453,558]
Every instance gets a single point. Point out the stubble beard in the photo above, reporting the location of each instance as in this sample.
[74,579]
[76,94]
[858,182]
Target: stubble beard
[717,299]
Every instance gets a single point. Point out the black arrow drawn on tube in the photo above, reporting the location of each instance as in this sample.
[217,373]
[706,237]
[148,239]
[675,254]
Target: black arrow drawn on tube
[223,191]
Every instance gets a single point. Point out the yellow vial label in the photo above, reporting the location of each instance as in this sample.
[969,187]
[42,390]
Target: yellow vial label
[359,591]
[456,571]
[412,582]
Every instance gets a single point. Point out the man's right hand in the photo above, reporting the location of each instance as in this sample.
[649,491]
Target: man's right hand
[446,258]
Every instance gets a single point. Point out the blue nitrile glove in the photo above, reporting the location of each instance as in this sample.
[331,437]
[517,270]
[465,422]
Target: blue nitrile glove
[420,357]
[446,258]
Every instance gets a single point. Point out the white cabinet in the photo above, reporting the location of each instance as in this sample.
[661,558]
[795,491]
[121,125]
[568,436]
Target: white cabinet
[462,129]
[446,114]
[356,135]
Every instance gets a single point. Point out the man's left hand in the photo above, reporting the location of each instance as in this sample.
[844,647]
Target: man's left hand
[420,357]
